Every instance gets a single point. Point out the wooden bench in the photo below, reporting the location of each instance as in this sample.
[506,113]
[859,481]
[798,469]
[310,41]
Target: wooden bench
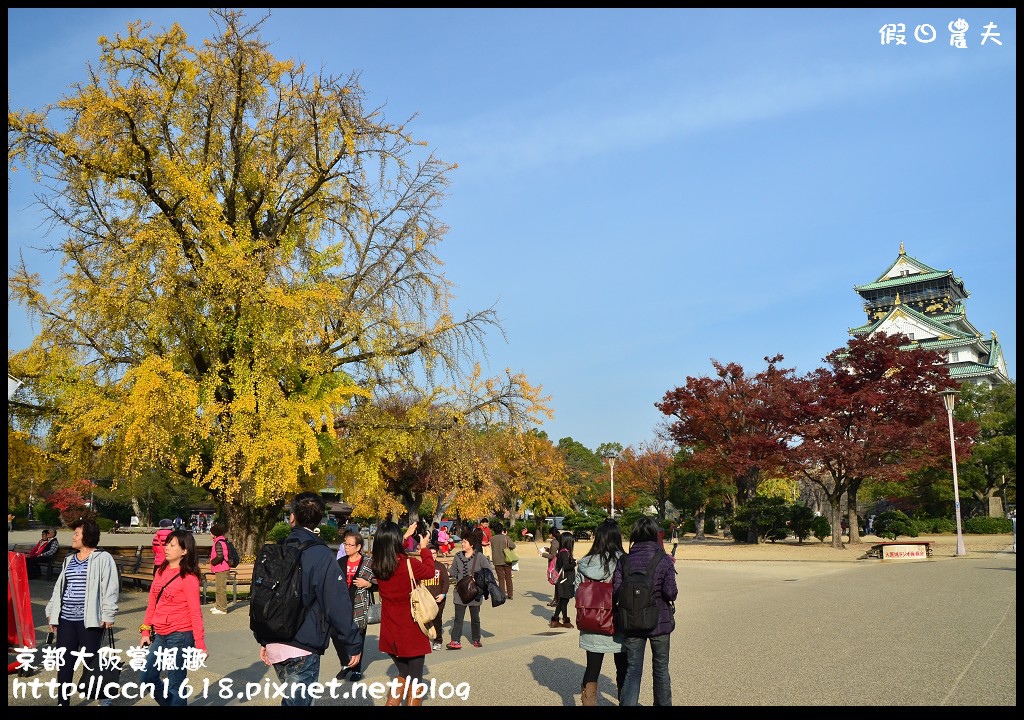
[887,551]
[50,565]
[239,575]
[126,558]
[141,576]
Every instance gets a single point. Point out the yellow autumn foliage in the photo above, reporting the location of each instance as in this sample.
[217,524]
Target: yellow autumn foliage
[250,270]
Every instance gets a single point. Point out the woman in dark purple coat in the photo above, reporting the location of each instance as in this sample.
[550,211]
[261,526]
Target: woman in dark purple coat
[644,544]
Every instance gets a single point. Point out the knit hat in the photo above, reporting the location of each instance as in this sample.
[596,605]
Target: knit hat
[166,523]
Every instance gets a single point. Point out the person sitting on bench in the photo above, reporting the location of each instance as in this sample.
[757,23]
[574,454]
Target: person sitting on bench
[45,549]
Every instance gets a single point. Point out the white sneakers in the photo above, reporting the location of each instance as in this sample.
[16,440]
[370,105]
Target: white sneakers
[215,611]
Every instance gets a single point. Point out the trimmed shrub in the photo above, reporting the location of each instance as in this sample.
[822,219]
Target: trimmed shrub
[279,532]
[328,533]
[765,516]
[800,519]
[739,530]
[933,526]
[987,525]
[821,528]
[893,523]
[104,524]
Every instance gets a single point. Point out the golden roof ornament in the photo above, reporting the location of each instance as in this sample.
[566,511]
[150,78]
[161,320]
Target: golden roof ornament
[902,251]
[897,299]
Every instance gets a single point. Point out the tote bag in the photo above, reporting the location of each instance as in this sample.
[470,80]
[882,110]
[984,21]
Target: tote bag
[422,604]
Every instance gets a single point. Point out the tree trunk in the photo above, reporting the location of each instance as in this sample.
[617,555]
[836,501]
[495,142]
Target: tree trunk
[137,509]
[698,523]
[248,526]
[662,497]
[836,518]
[852,516]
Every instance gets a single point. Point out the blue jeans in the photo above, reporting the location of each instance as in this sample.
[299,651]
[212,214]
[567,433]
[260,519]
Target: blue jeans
[635,647]
[303,671]
[175,675]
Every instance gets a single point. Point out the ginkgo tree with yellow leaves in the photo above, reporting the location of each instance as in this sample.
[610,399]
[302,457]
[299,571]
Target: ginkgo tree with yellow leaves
[249,270]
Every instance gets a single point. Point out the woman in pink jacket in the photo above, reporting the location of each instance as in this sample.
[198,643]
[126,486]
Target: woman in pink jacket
[174,617]
[219,567]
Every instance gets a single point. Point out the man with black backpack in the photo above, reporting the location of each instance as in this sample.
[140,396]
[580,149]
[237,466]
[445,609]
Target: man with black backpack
[299,595]
[644,592]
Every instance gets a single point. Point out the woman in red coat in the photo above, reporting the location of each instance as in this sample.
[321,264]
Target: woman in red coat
[400,636]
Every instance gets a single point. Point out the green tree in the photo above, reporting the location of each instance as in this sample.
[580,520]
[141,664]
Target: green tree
[586,471]
[696,492]
[991,470]
[250,262]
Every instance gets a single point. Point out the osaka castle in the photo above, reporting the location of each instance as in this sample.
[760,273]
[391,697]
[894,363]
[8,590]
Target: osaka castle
[927,305]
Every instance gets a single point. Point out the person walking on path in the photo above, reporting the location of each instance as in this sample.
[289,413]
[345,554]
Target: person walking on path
[400,636]
[297,661]
[219,567]
[174,619]
[675,538]
[439,587]
[598,565]
[159,538]
[643,547]
[358,575]
[485,532]
[565,588]
[502,568]
[551,552]
[467,562]
[83,603]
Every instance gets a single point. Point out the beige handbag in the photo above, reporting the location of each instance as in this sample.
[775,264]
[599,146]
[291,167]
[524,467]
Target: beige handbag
[423,604]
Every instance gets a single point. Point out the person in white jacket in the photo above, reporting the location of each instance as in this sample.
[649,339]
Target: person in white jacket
[83,603]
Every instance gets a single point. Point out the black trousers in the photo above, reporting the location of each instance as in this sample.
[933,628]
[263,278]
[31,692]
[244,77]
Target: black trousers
[74,635]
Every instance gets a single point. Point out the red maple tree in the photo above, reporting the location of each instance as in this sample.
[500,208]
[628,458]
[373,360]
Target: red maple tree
[874,414]
[738,425]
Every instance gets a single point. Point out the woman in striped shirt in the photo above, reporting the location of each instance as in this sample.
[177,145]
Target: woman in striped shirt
[83,603]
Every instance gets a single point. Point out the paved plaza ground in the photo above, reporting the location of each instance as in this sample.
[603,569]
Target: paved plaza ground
[769,625]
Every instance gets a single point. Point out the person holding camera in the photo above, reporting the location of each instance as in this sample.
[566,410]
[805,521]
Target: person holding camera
[400,637]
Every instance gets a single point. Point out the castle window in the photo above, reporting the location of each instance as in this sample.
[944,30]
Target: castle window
[954,356]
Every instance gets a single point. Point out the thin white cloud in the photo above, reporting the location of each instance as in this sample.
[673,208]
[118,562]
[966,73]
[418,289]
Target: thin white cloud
[575,127]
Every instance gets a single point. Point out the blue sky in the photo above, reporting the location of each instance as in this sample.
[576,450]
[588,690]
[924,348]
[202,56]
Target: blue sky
[640,191]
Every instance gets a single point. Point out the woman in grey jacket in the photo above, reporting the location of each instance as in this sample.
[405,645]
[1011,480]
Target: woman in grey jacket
[466,562]
[84,601]
[599,565]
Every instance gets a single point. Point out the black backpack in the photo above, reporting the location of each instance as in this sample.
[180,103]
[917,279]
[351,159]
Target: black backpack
[636,608]
[232,554]
[276,610]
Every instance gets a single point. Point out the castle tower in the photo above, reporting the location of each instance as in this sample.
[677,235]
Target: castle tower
[927,306]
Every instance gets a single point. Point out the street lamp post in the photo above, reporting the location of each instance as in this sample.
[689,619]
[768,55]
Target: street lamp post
[611,456]
[949,400]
